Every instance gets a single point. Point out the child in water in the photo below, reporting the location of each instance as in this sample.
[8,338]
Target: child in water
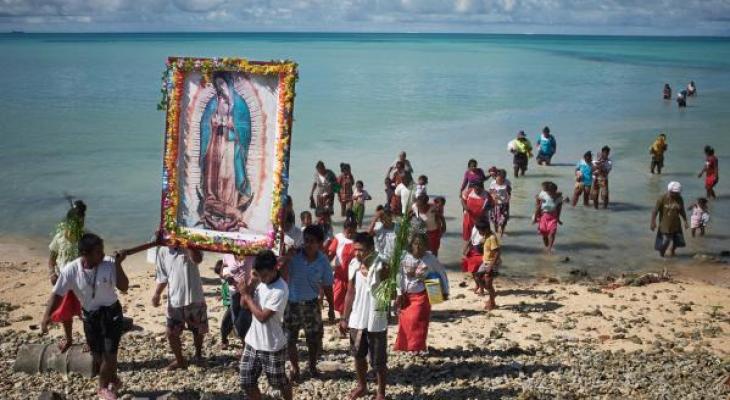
[421,186]
[548,206]
[359,197]
[657,150]
[700,216]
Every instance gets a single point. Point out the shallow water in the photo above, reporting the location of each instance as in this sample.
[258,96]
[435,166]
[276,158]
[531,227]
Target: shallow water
[77,116]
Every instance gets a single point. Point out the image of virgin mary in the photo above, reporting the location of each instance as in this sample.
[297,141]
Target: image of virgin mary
[225,135]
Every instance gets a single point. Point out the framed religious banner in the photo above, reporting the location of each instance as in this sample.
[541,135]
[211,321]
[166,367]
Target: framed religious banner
[226,156]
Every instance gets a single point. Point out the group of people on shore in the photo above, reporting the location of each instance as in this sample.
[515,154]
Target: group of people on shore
[273,296]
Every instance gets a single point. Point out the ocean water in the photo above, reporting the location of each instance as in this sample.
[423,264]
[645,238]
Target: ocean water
[78,117]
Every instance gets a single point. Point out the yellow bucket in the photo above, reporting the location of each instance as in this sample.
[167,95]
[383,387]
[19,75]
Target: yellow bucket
[433,288]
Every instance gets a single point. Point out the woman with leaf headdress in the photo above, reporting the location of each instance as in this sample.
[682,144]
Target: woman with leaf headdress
[64,249]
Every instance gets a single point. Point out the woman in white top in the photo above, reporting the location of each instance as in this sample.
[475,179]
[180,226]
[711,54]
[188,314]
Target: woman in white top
[412,300]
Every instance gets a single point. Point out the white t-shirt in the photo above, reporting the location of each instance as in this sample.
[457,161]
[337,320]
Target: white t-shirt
[364,315]
[476,238]
[294,238]
[403,191]
[269,335]
[95,287]
[384,241]
[182,276]
[360,196]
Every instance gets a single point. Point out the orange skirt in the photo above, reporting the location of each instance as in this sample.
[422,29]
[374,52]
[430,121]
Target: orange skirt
[413,323]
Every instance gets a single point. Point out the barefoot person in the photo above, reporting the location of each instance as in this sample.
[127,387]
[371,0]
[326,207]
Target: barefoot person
[359,197]
[266,297]
[669,208]
[177,269]
[601,168]
[711,170]
[322,195]
[548,206]
[476,204]
[340,252]
[501,190]
[346,182]
[412,300]
[657,150]
[94,279]
[522,152]
[236,268]
[473,253]
[367,325]
[428,214]
[64,249]
[700,216]
[583,179]
[383,230]
[491,260]
[309,273]
[546,147]
[472,174]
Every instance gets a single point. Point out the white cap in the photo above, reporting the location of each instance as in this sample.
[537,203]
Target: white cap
[674,187]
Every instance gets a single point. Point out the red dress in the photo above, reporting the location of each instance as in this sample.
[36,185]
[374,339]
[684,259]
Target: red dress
[413,322]
[711,174]
[476,209]
[343,251]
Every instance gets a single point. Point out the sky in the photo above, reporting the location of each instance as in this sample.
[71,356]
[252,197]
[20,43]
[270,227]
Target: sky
[613,17]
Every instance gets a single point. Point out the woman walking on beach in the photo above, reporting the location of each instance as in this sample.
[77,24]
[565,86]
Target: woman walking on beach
[428,213]
[322,195]
[548,206]
[472,174]
[669,208]
[341,251]
[345,181]
[711,170]
[500,190]
[412,299]
[64,249]
[476,203]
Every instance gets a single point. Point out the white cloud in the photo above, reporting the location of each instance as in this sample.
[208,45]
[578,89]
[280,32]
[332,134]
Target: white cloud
[198,5]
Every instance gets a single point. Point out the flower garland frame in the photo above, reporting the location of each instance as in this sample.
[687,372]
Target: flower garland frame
[172,91]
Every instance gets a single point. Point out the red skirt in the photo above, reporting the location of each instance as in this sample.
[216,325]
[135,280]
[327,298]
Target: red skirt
[471,261]
[434,241]
[413,323]
[339,289]
[69,307]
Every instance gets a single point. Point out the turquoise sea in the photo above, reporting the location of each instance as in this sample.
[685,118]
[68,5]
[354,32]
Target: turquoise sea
[78,117]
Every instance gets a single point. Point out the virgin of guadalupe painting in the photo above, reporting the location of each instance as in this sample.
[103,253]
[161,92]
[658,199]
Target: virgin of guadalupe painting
[225,136]
[226,160]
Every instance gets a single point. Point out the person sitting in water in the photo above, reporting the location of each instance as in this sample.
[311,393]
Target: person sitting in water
[691,89]
[682,99]
[667,92]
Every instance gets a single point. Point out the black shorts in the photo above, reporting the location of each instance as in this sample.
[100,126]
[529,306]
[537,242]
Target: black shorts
[374,344]
[103,328]
[519,160]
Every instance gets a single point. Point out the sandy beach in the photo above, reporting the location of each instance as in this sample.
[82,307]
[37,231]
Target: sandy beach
[578,337]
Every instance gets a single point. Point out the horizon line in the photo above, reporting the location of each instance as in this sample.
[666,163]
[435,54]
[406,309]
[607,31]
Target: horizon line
[638,35]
